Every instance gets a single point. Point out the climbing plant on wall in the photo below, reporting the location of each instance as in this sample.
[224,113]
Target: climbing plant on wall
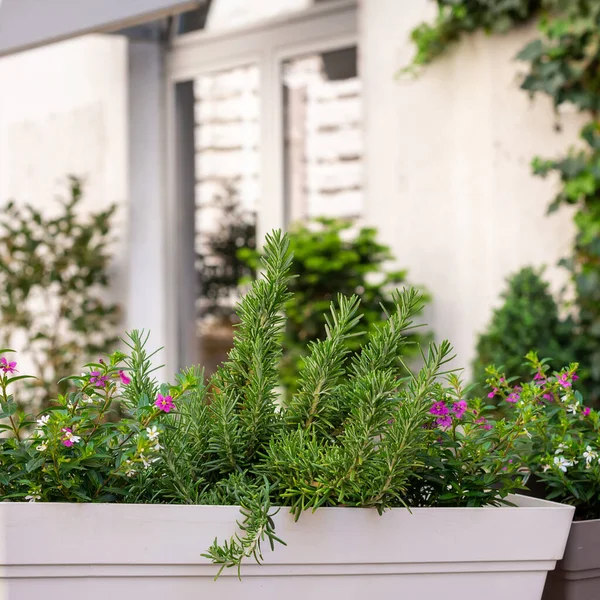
[563,62]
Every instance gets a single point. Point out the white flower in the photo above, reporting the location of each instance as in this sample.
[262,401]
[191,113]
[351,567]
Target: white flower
[34,494]
[42,447]
[573,408]
[545,468]
[562,463]
[157,447]
[130,471]
[70,436]
[42,421]
[589,455]
[527,433]
[153,433]
[147,461]
[560,448]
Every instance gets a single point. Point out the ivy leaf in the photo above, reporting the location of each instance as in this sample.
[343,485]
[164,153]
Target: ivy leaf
[531,52]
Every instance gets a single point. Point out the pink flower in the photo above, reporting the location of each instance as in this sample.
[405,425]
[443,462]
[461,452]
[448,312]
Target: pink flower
[98,379]
[548,397]
[586,411]
[124,379]
[493,393]
[164,403]
[459,408]
[575,377]
[69,439]
[444,421]
[513,397]
[439,408]
[564,380]
[8,367]
[484,423]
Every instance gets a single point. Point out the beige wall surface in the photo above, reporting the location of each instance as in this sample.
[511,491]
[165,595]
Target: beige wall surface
[448,178]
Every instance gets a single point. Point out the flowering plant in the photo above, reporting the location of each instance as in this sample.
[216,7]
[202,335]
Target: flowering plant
[362,429]
[560,442]
[94,442]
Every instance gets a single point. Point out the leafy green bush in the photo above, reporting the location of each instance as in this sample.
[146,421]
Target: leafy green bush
[528,319]
[332,257]
[53,275]
[358,432]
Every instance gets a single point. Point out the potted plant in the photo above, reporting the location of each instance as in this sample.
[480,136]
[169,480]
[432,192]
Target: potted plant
[400,486]
[561,452]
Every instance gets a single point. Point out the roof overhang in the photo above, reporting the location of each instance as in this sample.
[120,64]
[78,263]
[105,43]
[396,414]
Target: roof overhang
[26,24]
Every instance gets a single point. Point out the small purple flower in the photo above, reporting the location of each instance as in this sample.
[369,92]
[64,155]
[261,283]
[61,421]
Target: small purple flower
[586,411]
[548,397]
[97,379]
[124,379]
[439,408]
[459,409]
[484,423]
[513,397]
[563,380]
[493,393]
[68,438]
[9,367]
[444,421]
[164,403]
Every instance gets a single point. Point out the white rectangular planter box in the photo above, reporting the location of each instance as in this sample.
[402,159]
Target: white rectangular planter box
[152,552]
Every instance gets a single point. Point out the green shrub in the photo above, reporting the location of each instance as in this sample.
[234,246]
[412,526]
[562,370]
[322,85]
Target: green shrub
[54,276]
[528,319]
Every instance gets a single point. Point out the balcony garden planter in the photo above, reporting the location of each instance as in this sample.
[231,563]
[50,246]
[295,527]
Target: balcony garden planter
[577,575]
[98,551]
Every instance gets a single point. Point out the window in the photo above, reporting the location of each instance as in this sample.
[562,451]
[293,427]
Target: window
[323,135]
[265,128]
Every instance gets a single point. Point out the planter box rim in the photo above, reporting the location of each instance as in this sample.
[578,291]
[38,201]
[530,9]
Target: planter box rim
[520,502]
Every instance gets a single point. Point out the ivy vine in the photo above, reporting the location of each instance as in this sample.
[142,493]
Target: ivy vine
[563,62]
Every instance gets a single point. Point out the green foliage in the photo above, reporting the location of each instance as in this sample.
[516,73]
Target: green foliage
[528,318]
[458,17]
[563,63]
[579,173]
[331,257]
[219,265]
[53,274]
[560,446]
[363,429]
[75,452]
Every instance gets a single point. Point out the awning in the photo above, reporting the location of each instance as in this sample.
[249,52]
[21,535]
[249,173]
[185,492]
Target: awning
[29,23]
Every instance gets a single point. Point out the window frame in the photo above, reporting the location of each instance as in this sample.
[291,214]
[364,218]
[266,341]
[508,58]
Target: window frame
[267,44]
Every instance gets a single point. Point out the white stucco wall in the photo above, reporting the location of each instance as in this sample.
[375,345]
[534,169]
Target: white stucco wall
[448,176]
[63,110]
